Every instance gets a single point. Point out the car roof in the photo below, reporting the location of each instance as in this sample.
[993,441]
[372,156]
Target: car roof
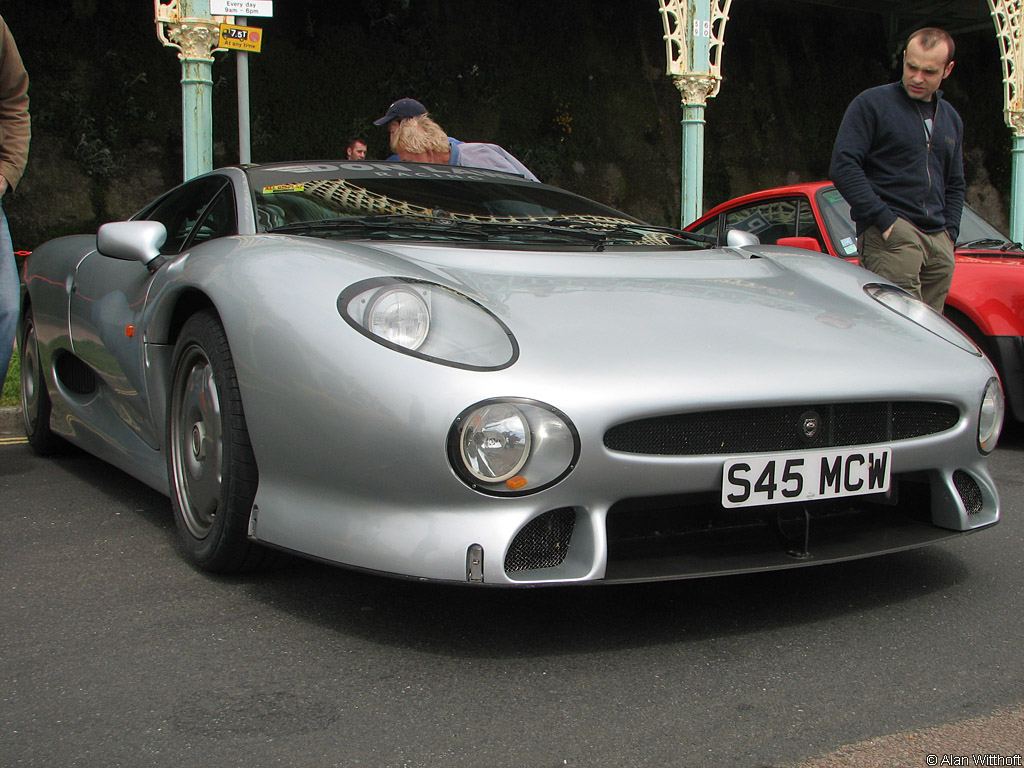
[805,188]
[292,171]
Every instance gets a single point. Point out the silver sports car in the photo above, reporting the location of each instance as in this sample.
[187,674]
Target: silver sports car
[456,374]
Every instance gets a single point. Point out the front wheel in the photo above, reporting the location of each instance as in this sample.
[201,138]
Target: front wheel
[210,462]
[35,399]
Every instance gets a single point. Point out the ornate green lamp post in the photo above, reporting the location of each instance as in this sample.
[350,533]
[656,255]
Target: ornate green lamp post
[188,26]
[1008,17]
[694,38]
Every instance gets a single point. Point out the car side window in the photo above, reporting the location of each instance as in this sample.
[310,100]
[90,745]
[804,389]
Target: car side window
[219,219]
[182,209]
[769,220]
[710,228]
[807,224]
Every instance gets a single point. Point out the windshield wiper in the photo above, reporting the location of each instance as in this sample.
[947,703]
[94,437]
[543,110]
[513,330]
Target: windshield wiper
[379,227]
[988,242]
[616,230]
[349,222]
[631,231]
[504,229]
[545,229]
[438,225]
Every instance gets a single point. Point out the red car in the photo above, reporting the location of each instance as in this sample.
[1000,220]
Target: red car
[986,299]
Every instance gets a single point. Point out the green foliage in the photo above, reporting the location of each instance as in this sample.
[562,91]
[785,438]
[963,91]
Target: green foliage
[11,394]
[91,82]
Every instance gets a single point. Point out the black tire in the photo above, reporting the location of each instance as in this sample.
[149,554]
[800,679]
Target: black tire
[211,468]
[35,399]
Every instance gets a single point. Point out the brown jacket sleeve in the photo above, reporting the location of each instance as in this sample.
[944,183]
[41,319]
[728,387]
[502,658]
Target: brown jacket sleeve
[15,126]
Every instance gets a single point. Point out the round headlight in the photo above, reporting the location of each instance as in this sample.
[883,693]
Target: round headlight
[512,446]
[990,418]
[495,442]
[399,315]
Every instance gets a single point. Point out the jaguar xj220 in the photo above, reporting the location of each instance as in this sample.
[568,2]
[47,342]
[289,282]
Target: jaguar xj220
[460,375]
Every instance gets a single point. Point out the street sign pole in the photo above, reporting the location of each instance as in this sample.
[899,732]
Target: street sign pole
[244,133]
[243,40]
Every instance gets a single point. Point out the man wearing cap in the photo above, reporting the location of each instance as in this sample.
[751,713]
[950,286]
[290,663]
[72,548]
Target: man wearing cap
[401,110]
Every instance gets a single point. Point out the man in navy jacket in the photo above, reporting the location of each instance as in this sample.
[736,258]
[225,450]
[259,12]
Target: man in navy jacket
[898,161]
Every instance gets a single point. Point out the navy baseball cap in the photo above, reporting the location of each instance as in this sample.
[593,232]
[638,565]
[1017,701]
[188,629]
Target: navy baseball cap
[402,109]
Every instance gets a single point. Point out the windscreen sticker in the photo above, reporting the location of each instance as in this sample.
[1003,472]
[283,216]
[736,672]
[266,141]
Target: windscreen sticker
[849,245]
[832,195]
[283,188]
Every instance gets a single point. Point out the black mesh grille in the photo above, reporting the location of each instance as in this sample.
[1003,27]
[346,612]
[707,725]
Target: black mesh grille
[543,542]
[785,428]
[969,492]
[75,375]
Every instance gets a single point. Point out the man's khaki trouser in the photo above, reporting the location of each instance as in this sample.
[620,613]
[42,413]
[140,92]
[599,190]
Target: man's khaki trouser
[921,263]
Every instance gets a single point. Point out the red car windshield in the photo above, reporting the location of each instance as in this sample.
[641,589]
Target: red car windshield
[974,230]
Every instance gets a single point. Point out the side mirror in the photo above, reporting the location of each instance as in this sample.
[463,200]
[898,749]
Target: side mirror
[807,243]
[740,237]
[133,241]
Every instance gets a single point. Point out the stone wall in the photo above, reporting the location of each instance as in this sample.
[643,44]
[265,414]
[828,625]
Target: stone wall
[574,88]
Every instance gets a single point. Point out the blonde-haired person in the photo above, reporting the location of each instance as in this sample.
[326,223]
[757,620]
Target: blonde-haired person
[402,110]
[421,140]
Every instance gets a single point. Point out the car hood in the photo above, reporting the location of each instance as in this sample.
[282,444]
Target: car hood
[710,327]
[984,256]
[785,321]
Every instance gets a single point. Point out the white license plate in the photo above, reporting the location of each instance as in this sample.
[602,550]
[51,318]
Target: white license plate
[788,477]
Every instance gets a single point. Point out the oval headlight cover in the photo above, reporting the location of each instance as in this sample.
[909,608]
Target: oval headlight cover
[990,417]
[915,310]
[428,321]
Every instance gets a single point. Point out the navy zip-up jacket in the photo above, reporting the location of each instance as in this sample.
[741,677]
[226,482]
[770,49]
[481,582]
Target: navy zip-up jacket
[886,166]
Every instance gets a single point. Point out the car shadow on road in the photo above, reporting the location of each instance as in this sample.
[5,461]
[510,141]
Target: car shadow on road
[462,620]
[466,621]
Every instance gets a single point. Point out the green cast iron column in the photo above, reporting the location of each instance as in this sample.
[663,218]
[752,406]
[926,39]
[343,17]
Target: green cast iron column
[1008,19]
[694,37]
[189,27]
[197,92]
[1017,191]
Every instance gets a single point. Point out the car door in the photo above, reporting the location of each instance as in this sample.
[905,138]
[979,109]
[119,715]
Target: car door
[108,297]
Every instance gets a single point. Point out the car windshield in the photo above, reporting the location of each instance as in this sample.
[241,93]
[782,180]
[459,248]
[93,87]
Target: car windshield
[425,202]
[836,213]
[975,231]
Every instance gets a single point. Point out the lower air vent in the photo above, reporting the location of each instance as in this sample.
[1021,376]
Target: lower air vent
[543,542]
[75,375]
[970,493]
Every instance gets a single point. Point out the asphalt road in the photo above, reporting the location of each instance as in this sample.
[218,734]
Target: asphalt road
[115,652]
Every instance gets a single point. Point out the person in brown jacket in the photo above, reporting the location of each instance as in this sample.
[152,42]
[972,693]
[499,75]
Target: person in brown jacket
[15,132]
